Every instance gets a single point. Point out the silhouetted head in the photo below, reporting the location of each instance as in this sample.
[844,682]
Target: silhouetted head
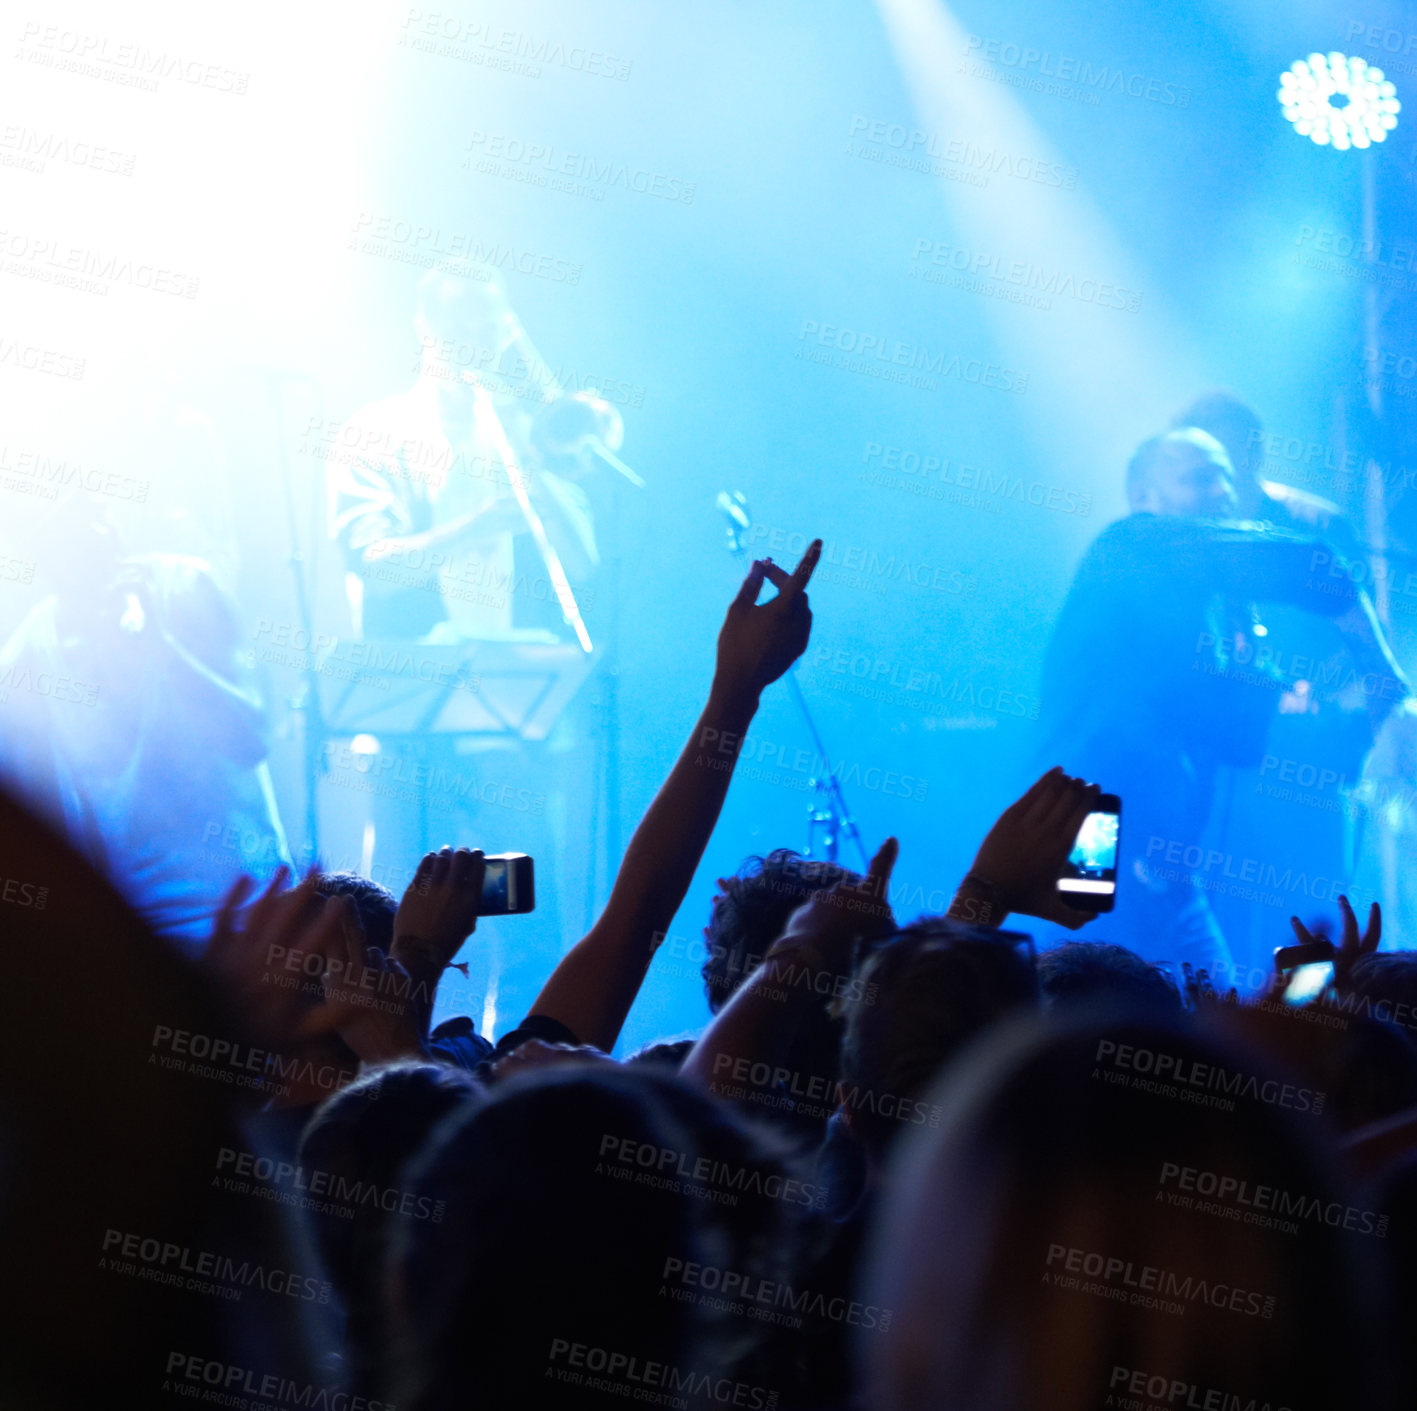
[570,1194]
[924,995]
[1237,426]
[1181,473]
[1097,973]
[750,912]
[464,318]
[374,904]
[1096,1223]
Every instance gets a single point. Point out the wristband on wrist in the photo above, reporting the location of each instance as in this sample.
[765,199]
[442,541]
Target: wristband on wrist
[993,904]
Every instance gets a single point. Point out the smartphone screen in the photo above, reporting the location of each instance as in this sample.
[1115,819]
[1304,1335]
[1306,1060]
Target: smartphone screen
[1089,877]
[1308,982]
[508,886]
[495,878]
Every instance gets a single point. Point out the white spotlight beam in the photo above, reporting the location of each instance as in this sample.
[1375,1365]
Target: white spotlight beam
[1102,376]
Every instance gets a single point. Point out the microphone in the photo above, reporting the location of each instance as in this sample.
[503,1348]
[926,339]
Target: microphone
[734,508]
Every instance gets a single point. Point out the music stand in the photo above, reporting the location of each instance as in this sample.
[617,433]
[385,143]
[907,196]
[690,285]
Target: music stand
[508,690]
[512,688]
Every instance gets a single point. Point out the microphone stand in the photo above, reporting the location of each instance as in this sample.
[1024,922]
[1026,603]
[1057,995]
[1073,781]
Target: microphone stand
[307,704]
[828,814]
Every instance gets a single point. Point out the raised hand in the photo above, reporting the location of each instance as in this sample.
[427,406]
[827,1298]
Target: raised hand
[1201,993]
[263,965]
[371,1000]
[1352,947]
[271,968]
[437,914]
[1017,865]
[759,641]
[830,922]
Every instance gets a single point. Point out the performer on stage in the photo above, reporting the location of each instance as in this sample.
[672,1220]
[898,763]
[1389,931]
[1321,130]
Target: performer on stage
[423,499]
[1156,677]
[1252,813]
[127,724]
[459,508]
[1238,428]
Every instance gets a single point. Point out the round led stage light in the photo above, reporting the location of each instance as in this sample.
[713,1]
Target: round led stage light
[1338,101]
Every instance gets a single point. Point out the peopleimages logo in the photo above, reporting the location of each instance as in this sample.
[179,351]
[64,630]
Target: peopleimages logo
[812,1095]
[667,1168]
[641,1379]
[267,1387]
[902,683]
[326,1192]
[927,151]
[1050,284]
[750,1295]
[162,1261]
[998,485]
[1101,78]
[1147,1285]
[1169,1391]
[1206,1084]
[499,48]
[1254,1203]
[538,162]
[424,244]
[53,260]
[32,357]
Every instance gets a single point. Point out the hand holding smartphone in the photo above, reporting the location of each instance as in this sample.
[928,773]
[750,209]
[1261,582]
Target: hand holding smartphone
[1088,880]
[1307,970]
[508,885]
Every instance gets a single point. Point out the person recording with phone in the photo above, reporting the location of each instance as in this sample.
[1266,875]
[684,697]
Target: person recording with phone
[1156,676]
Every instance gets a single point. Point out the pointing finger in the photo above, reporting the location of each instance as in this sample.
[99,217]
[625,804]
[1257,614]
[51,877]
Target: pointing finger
[878,875]
[802,574]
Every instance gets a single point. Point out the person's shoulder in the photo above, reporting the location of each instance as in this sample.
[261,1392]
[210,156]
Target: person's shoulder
[1144,532]
[1131,534]
[457,1043]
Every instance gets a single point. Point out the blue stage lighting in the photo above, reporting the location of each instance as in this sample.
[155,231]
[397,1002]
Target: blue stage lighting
[1339,101]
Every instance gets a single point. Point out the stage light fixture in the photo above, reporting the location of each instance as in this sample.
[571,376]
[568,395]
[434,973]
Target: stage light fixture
[1338,101]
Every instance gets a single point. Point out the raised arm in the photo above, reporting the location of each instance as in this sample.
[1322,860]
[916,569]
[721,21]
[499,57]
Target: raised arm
[593,987]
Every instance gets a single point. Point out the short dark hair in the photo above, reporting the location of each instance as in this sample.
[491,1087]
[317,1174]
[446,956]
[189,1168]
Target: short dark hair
[1099,972]
[1388,975]
[756,904]
[1231,420]
[358,1142]
[374,904]
[526,1191]
[668,1054]
[937,985]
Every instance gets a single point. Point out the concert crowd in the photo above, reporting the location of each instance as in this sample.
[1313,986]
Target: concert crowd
[910,1161]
